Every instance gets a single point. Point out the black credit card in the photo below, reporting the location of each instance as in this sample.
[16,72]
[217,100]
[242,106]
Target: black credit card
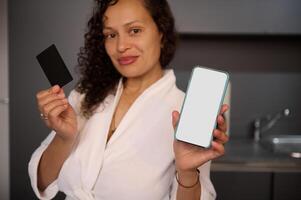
[54,67]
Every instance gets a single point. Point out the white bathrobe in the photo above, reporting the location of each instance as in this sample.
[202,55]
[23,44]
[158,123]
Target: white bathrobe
[138,161]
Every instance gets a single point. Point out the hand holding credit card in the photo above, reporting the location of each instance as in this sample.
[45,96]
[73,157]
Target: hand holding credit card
[54,67]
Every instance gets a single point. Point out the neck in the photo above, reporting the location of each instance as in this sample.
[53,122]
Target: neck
[135,86]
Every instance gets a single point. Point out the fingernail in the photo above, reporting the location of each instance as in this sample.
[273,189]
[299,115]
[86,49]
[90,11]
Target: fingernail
[54,88]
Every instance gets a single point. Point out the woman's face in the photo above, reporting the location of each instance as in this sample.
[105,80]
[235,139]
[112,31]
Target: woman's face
[132,39]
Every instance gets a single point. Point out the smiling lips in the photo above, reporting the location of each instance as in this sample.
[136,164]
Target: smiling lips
[127,60]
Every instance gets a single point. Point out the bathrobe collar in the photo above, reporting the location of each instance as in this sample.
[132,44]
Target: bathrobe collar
[91,151]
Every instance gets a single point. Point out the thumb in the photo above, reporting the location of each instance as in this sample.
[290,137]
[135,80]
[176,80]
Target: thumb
[175,118]
[56,89]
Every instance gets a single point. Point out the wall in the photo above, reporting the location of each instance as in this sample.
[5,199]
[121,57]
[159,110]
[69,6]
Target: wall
[264,71]
[254,63]
[4,132]
[33,26]
[238,17]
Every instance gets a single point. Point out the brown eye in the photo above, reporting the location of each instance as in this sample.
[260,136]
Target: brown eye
[135,30]
[109,36]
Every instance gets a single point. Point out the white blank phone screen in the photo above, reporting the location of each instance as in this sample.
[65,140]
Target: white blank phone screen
[201,106]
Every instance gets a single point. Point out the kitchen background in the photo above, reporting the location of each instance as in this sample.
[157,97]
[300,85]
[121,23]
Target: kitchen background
[257,42]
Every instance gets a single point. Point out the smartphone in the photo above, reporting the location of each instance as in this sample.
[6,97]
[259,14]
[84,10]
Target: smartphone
[202,103]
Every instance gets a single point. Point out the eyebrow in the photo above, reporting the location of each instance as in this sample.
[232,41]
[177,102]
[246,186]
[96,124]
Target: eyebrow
[126,24]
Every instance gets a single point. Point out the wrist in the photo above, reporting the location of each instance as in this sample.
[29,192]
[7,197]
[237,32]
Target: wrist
[188,178]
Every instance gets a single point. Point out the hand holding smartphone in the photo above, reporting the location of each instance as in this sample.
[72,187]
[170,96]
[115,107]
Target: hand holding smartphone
[204,96]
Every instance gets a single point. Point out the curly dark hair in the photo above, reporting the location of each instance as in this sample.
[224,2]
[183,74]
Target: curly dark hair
[99,77]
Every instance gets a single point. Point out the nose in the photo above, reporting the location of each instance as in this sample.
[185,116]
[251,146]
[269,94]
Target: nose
[123,43]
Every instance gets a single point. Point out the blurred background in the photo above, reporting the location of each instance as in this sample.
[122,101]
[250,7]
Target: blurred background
[258,42]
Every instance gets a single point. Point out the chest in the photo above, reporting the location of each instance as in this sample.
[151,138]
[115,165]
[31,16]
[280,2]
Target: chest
[139,165]
[124,104]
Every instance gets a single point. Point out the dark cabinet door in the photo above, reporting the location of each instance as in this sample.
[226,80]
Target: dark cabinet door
[242,185]
[287,186]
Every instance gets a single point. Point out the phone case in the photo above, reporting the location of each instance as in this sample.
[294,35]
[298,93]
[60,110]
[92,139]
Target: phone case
[202,103]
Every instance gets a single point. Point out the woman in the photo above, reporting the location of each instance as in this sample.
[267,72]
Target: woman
[113,137]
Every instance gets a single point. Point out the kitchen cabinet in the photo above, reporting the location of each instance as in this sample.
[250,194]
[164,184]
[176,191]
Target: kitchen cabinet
[286,185]
[257,185]
[242,185]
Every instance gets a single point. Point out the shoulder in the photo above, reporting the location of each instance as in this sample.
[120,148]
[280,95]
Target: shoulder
[75,98]
[179,92]
[175,98]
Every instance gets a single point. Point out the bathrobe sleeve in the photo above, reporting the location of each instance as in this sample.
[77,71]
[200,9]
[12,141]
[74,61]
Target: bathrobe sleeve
[207,189]
[52,189]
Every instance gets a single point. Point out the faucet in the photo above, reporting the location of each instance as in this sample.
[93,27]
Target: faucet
[270,121]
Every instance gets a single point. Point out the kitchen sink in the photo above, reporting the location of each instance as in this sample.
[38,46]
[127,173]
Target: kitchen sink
[284,144]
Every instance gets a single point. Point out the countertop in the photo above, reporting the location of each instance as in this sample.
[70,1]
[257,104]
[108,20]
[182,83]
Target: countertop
[247,155]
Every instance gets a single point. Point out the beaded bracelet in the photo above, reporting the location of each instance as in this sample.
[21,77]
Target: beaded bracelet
[190,186]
